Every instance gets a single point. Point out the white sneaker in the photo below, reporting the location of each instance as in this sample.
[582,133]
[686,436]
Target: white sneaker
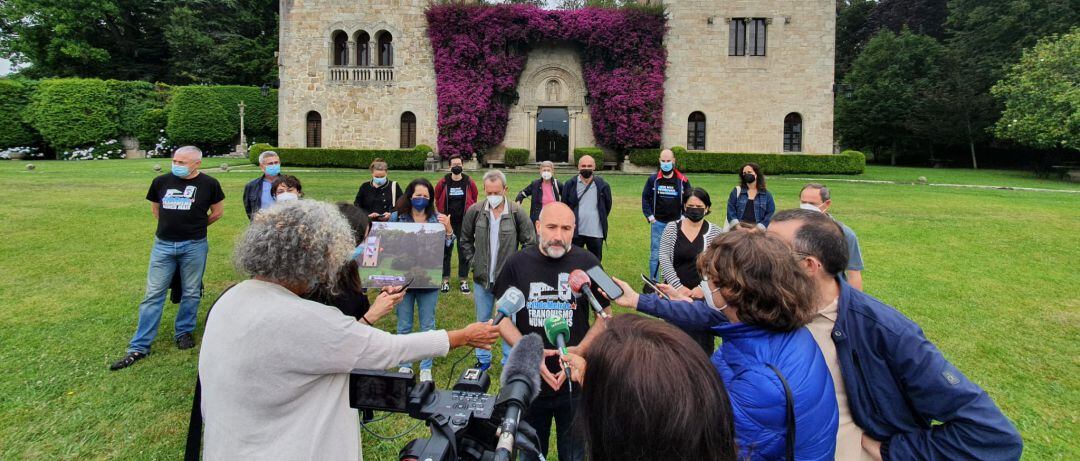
[425,375]
[405,370]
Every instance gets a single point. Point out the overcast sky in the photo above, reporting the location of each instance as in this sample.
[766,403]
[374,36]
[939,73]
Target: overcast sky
[5,66]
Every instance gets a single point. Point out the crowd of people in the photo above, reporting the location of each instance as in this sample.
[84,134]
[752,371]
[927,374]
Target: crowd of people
[809,367]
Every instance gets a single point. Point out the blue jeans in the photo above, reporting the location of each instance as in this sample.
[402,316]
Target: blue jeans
[657,229]
[485,305]
[165,257]
[425,303]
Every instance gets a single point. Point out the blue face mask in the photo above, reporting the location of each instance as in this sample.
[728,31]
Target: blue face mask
[181,171]
[667,166]
[273,170]
[378,181]
[420,203]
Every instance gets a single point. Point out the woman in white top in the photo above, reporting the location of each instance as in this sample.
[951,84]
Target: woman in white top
[274,366]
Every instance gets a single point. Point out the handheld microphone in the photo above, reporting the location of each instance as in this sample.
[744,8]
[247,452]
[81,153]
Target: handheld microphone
[581,284]
[557,332]
[512,301]
[520,384]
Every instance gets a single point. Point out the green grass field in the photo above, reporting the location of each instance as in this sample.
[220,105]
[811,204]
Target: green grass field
[992,276]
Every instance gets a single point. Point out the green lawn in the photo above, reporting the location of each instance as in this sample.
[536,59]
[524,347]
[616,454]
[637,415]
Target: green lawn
[992,276]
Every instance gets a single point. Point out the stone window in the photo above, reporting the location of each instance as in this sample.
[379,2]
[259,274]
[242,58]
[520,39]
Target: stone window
[737,37]
[747,36]
[758,36]
[793,133]
[314,129]
[695,131]
[341,48]
[386,49]
[363,52]
[408,130]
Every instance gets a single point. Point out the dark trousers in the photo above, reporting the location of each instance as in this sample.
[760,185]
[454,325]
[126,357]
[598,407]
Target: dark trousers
[463,266]
[595,245]
[561,408]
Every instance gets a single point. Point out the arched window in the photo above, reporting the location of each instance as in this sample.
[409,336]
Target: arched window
[695,131]
[386,49]
[314,129]
[793,133]
[408,130]
[341,48]
[363,53]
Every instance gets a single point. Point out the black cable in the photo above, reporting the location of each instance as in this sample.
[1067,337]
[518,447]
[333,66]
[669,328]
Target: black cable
[389,438]
[453,367]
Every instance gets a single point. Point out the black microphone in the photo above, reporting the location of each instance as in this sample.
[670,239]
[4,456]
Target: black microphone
[508,305]
[520,384]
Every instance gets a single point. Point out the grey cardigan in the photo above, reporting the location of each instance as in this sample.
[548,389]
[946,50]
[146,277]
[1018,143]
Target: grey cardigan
[515,231]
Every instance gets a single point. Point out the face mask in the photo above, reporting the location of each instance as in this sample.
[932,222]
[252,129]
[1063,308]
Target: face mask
[748,178]
[494,200]
[585,174]
[273,170]
[709,297]
[667,166]
[181,171]
[378,181]
[546,175]
[455,169]
[811,207]
[694,214]
[420,203]
[287,197]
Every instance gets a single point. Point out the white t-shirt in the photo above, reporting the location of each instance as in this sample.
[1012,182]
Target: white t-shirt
[274,370]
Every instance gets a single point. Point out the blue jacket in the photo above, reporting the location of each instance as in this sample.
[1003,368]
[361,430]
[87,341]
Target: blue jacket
[756,392]
[898,382]
[764,206]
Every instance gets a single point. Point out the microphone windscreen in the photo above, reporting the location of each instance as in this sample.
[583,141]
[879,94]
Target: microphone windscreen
[523,364]
[555,326]
[512,301]
[578,279]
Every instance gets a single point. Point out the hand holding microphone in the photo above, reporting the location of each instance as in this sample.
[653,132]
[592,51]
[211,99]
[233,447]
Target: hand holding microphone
[508,305]
[558,332]
[581,284]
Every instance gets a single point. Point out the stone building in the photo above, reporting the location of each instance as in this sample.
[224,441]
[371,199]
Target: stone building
[742,76]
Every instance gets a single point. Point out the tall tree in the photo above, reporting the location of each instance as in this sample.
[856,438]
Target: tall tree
[851,18]
[924,17]
[223,42]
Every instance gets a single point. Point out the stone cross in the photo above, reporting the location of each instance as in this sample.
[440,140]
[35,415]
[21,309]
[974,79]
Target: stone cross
[242,148]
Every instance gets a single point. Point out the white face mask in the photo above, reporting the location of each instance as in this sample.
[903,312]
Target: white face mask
[546,175]
[494,200]
[708,293]
[287,197]
[811,207]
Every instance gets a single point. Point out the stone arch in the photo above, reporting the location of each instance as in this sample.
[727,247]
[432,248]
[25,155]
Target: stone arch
[570,88]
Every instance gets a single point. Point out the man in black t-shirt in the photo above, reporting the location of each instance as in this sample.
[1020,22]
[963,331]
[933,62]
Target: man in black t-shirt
[184,202]
[454,194]
[662,202]
[542,273]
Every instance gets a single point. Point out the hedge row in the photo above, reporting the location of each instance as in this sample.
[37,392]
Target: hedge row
[209,115]
[847,162]
[14,96]
[516,157]
[396,159]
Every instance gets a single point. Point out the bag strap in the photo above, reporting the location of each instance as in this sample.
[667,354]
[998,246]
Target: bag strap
[790,404]
[195,423]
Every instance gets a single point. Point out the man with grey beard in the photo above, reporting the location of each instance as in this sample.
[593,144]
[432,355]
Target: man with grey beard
[542,273]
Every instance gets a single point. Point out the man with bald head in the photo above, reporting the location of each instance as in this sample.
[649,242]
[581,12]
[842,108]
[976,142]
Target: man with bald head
[662,202]
[184,202]
[589,196]
[542,272]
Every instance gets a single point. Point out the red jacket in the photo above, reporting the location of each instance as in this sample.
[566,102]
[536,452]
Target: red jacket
[441,194]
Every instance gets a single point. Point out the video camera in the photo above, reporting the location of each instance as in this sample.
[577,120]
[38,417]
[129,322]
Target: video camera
[466,423]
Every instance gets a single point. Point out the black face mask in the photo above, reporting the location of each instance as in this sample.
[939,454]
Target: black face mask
[694,214]
[748,177]
[455,169]
[585,174]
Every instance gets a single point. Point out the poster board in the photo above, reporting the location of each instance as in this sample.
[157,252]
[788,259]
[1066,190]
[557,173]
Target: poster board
[396,252]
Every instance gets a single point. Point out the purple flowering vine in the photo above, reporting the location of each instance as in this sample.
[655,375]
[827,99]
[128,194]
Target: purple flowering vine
[480,52]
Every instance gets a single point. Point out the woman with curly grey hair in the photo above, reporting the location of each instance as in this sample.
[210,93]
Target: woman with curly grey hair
[274,366]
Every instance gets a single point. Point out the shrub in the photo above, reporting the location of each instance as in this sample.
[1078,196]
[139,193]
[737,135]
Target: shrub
[209,116]
[516,157]
[847,162]
[397,159]
[109,149]
[73,112]
[151,127]
[133,100]
[597,154]
[14,96]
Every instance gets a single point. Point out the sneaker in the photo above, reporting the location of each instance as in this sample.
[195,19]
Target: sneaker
[185,341]
[464,287]
[127,361]
[445,287]
[425,375]
[405,370]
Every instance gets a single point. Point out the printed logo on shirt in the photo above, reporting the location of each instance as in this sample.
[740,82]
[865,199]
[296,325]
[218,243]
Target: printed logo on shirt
[174,200]
[457,192]
[545,301]
[666,191]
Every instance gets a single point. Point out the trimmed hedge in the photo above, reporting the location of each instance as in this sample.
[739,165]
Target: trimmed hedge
[208,115]
[14,95]
[396,159]
[516,157]
[847,162]
[73,112]
[132,100]
[596,153]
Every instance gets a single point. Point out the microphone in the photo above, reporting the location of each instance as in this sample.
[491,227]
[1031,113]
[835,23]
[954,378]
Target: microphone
[580,283]
[557,332]
[512,301]
[520,384]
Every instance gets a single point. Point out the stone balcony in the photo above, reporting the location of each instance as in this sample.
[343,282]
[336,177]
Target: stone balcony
[361,74]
